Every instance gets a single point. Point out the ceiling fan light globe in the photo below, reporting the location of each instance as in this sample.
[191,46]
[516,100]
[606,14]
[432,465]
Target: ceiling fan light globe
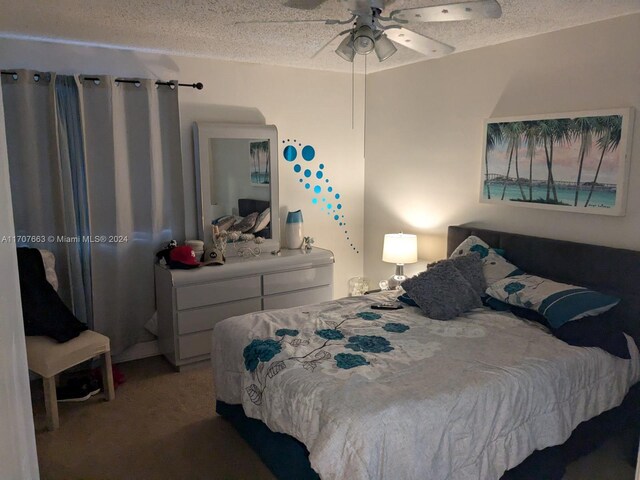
[363,45]
[384,48]
[345,49]
[363,40]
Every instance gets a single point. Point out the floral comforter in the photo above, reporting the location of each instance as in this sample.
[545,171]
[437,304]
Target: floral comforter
[393,394]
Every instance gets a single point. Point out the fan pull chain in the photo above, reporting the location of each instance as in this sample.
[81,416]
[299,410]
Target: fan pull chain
[353,89]
[364,132]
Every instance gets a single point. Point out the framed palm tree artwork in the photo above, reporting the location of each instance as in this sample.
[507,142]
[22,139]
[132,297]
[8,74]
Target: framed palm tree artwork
[574,162]
[260,168]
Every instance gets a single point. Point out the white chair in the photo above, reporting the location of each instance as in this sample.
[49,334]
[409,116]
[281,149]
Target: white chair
[48,358]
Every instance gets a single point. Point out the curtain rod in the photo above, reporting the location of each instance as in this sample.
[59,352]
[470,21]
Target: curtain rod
[198,86]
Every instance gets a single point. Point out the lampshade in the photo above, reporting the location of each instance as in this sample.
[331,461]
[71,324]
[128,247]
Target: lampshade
[345,49]
[384,48]
[400,248]
[363,40]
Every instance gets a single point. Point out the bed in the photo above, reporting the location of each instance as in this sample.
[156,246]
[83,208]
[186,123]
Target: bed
[337,390]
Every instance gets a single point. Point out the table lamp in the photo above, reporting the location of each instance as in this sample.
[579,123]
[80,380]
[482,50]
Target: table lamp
[399,248]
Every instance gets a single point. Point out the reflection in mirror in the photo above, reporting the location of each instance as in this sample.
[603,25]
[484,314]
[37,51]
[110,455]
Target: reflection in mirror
[237,181]
[240,178]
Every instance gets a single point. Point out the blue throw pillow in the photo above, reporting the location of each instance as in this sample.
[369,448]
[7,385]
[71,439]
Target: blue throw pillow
[406,299]
[559,303]
[586,332]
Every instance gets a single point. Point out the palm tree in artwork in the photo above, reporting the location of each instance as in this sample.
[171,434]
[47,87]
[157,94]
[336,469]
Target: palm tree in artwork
[583,128]
[608,141]
[548,131]
[512,131]
[494,137]
[532,139]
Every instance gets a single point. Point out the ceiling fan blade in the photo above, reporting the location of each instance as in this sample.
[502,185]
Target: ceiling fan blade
[304,4]
[326,21]
[330,42]
[450,12]
[424,45]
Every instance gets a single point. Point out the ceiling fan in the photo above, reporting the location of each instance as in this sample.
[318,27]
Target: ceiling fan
[373,32]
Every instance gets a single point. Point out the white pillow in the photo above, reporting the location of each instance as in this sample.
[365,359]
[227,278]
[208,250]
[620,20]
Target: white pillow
[494,266]
[263,220]
[49,261]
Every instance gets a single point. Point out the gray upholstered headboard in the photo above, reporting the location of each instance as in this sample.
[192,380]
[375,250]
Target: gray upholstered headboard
[609,270]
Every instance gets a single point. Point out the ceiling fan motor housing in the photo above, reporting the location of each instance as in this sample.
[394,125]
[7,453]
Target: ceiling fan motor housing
[360,7]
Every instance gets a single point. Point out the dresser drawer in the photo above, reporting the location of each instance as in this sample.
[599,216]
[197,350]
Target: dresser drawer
[297,279]
[195,344]
[190,321]
[301,297]
[193,296]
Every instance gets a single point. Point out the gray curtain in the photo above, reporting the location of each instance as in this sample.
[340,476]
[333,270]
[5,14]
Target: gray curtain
[74,186]
[135,196]
[35,169]
[103,157]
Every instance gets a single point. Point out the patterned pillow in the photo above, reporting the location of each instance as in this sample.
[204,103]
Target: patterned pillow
[494,266]
[225,222]
[246,224]
[441,292]
[559,303]
[263,220]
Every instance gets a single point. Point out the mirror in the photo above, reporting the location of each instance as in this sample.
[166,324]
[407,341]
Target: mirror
[237,180]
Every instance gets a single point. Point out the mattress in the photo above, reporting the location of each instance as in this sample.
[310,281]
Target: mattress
[393,394]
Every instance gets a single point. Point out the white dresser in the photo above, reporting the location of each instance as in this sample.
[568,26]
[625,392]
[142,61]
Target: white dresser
[191,302]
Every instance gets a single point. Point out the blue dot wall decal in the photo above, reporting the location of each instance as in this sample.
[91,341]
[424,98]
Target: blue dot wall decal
[290,153]
[308,153]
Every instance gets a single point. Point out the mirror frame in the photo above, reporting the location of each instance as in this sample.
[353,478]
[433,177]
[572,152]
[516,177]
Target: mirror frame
[203,133]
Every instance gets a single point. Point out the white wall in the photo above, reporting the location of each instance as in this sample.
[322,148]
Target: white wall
[424,135]
[311,107]
[17,441]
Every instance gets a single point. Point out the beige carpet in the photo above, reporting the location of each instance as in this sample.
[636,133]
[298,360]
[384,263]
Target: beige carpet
[162,425]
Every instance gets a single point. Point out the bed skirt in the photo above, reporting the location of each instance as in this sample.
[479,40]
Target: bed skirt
[549,463]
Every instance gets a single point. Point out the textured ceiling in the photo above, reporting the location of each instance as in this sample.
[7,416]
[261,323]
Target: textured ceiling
[207,27]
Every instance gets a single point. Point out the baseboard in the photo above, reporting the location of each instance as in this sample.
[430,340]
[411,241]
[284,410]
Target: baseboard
[138,351]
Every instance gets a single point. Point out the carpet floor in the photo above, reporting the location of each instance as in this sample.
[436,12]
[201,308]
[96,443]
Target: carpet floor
[162,425]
